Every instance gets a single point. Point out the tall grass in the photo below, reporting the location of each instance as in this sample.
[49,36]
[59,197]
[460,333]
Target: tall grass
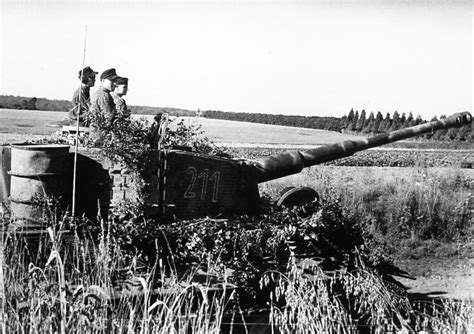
[54,295]
[394,203]
[58,282]
[64,284]
[358,301]
[427,205]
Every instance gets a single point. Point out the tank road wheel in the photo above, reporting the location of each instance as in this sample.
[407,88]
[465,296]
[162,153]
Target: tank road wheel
[297,196]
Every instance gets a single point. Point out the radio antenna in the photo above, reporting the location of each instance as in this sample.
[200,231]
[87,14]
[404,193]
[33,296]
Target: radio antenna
[76,141]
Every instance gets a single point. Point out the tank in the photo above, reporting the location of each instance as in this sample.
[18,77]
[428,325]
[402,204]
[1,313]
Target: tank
[187,185]
[195,185]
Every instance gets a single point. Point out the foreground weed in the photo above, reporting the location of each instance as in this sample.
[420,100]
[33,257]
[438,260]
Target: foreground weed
[309,300]
[62,283]
[94,292]
[314,301]
[444,316]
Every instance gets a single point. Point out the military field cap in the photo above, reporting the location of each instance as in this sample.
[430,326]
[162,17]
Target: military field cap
[109,74]
[121,81]
[87,72]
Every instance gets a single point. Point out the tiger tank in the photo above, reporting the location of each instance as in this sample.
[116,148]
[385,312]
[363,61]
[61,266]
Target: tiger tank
[178,182]
[193,185]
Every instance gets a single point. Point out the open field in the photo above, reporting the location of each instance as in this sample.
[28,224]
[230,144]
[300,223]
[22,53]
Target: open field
[14,122]
[29,122]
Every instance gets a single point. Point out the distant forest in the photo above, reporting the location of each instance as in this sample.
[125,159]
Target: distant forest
[354,122]
[33,103]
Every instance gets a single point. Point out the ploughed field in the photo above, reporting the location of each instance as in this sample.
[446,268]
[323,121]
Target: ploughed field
[418,203]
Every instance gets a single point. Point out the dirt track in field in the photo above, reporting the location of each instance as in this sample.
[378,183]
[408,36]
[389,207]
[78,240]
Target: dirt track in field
[450,277]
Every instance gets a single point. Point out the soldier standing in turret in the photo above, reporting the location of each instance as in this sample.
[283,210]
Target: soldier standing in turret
[102,104]
[121,89]
[81,98]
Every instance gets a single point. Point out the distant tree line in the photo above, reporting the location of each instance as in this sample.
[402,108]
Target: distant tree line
[354,122]
[312,122]
[33,103]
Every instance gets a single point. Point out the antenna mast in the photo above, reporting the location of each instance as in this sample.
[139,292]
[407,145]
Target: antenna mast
[76,141]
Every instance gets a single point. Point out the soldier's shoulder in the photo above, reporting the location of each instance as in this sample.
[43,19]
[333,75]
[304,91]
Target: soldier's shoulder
[76,94]
[100,93]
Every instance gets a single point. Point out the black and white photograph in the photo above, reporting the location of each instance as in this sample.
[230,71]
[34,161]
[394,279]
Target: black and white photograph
[265,166]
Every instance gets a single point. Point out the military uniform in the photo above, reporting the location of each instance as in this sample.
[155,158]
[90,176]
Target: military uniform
[81,97]
[103,111]
[81,105]
[103,106]
[121,88]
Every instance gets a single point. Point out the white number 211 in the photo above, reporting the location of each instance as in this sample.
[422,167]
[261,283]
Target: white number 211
[204,179]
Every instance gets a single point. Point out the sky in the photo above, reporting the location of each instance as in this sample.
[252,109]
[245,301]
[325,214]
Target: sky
[312,58]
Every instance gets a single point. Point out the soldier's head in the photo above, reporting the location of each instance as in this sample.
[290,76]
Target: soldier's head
[107,78]
[121,86]
[87,75]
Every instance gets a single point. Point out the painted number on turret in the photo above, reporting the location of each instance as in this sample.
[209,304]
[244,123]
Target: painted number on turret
[203,180]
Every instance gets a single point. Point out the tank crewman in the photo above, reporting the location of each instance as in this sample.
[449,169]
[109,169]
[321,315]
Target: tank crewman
[81,98]
[102,104]
[121,89]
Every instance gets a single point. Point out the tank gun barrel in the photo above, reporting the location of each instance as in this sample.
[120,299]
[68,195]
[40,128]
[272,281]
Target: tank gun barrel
[292,162]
